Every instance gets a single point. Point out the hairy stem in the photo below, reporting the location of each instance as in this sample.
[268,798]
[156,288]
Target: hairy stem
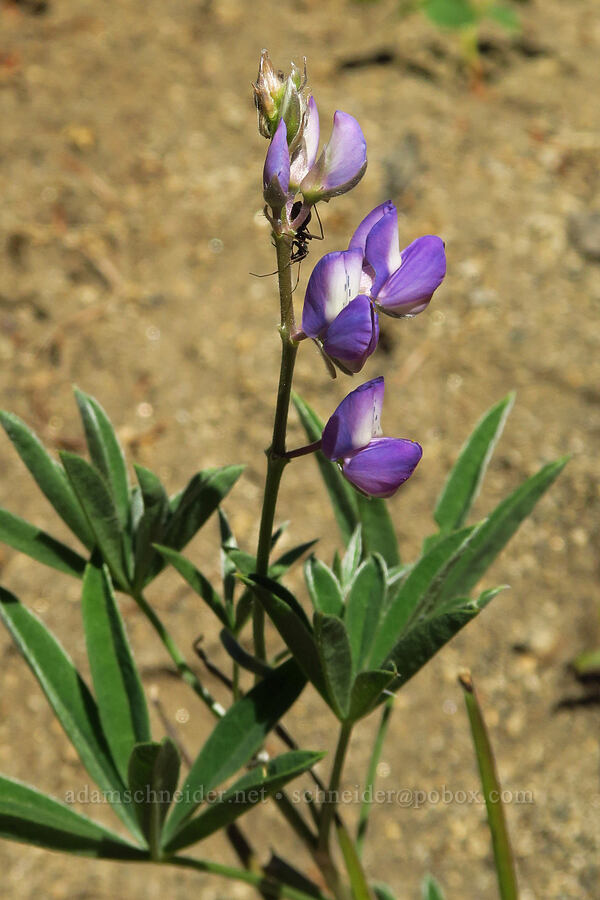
[276,452]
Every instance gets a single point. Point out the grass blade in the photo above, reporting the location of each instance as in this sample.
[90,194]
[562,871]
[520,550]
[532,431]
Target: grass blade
[503,855]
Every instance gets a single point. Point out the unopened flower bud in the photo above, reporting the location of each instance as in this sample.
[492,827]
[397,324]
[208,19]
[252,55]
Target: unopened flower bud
[279,97]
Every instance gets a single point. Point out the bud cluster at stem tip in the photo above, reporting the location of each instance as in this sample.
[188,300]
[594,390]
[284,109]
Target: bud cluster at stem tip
[288,116]
[279,97]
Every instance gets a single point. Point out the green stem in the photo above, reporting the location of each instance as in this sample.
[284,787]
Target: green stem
[329,805]
[275,461]
[267,885]
[366,806]
[178,658]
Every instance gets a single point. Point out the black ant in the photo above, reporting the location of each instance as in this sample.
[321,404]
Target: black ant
[299,246]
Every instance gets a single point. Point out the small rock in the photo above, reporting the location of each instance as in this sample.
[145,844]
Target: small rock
[584,234]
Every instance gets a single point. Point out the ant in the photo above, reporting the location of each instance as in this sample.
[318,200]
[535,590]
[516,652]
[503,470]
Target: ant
[299,246]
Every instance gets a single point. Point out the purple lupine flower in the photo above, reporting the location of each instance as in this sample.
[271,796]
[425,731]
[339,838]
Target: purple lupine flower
[376,465]
[341,320]
[399,282]
[338,169]
[276,172]
[342,163]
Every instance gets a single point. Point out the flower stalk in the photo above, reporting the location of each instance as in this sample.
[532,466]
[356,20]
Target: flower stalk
[276,460]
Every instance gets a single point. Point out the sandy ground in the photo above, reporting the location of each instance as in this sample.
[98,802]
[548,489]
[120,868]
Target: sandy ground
[130,219]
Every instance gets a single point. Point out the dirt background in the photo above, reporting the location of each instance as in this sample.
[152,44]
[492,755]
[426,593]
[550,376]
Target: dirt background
[130,218]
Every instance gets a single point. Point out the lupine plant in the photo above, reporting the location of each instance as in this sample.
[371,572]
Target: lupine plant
[376,620]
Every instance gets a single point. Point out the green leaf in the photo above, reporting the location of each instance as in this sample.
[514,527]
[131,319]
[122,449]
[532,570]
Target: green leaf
[333,646]
[34,542]
[382,891]
[244,793]
[228,570]
[495,532]
[241,656]
[341,495]
[366,599]
[105,452]
[352,557]
[324,588]
[246,562]
[30,817]
[450,13]
[95,498]
[465,479]
[290,621]
[119,693]
[287,559]
[197,582]
[197,503]
[427,636]
[431,889]
[367,692]
[153,777]
[378,532]
[68,696]
[49,476]
[505,16]
[407,599]
[236,737]
[151,525]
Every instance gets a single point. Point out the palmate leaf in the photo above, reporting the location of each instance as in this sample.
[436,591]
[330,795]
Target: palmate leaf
[119,693]
[105,452]
[30,817]
[235,738]
[243,794]
[69,697]
[34,542]
[153,776]
[349,507]
[49,476]
[464,481]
